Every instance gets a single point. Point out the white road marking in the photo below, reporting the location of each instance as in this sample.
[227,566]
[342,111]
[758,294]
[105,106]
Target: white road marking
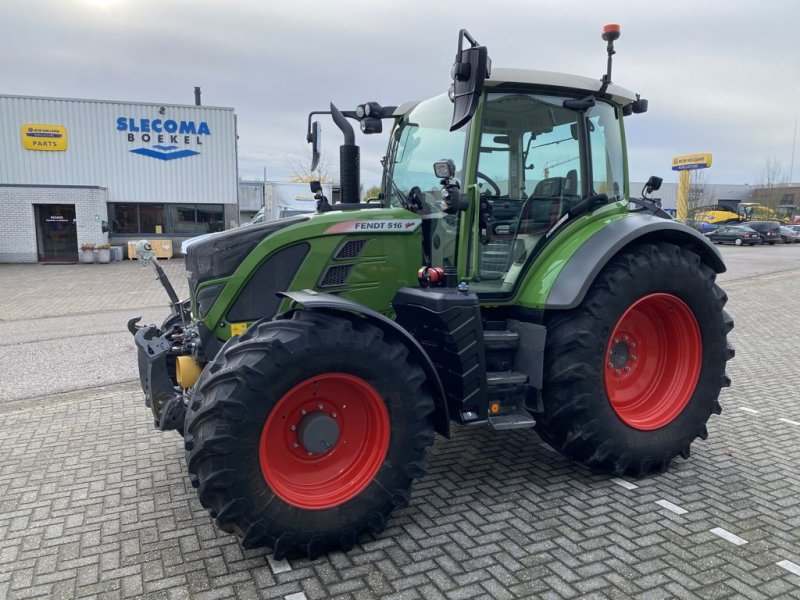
[626,484]
[789,566]
[790,422]
[727,535]
[672,507]
[296,596]
[278,566]
[750,410]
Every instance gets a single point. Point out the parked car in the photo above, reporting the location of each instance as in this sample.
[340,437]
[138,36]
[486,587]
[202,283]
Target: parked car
[734,234]
[769,231]
[790,235]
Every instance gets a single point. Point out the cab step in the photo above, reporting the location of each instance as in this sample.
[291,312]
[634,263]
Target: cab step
[505,378]
[500,339]
[520,419]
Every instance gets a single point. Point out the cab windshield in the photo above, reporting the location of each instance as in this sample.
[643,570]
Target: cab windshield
[421,139]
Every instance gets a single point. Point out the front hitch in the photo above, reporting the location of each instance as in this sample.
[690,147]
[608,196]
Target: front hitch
[161,396]
[146,255]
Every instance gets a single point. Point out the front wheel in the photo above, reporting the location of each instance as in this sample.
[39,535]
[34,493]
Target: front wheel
[738,241]
[633,374]
[305,432]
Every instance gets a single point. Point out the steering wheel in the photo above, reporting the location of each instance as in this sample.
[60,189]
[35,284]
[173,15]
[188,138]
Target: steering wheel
[491,182]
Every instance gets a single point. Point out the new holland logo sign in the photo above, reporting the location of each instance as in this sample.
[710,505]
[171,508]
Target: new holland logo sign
[173,139]
[44,137]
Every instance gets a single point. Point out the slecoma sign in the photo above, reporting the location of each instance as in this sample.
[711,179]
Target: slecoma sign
[168,134]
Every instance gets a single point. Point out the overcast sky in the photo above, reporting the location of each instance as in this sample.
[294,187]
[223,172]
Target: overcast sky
[721,76]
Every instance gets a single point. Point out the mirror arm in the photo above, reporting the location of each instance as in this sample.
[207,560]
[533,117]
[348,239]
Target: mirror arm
[310,115]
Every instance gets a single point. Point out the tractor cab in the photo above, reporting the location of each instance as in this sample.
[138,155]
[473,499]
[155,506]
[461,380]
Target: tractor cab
[522,164]
[531,151]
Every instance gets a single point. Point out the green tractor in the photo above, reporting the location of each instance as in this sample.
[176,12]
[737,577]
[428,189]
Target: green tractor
[503,278]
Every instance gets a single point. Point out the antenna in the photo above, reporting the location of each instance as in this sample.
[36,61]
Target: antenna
[611,32]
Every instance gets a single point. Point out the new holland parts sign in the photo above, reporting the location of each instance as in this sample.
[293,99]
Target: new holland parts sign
[50,138]
[166,139]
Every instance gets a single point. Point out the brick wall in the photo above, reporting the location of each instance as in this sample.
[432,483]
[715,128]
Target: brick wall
[17,219]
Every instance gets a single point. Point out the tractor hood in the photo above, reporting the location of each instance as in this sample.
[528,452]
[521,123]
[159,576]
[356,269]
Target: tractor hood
[218,254]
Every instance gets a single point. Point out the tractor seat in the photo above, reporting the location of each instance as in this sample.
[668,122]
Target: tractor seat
[551,198]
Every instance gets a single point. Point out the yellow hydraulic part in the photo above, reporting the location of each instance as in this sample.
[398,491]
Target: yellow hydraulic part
[187,371]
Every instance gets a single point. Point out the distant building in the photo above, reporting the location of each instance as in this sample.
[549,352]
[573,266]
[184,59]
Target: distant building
[99,171]
[714,193]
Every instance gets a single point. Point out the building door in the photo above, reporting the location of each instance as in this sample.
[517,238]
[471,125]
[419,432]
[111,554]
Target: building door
[56,232]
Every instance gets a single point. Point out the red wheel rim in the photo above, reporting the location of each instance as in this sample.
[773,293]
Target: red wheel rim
[652,361]
[320,480]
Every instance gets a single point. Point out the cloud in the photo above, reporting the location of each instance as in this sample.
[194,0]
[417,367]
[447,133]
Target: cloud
[721,76]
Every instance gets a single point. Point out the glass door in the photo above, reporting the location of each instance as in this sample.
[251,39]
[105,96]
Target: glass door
[56,232]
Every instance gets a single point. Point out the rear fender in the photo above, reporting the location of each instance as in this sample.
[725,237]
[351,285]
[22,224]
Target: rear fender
[311,300]
[582,268]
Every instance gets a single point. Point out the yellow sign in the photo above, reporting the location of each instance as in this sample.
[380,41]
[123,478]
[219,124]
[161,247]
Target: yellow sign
[44,137]
[691,161]
[238,328]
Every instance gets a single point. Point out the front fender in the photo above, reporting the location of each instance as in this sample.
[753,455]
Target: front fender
[580,270]
[311,300]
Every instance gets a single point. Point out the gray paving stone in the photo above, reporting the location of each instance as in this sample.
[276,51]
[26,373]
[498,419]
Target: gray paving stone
[95,503]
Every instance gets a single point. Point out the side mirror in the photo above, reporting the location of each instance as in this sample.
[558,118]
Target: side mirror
[653,184]
[315,139]
[471,68]
[316,186]
[639,105]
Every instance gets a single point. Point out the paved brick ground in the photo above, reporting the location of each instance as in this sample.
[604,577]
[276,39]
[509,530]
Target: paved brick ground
[30,291]
[94,503]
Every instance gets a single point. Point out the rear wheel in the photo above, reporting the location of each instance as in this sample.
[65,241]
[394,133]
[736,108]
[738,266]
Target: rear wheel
[304,433]
[738,241]
[633,374]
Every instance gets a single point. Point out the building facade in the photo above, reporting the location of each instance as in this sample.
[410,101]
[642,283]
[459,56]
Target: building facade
[93,171]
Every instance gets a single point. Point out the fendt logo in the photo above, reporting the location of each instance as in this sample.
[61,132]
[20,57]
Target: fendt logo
[170,135]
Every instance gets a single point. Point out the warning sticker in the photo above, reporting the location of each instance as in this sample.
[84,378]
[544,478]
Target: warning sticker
[376,226]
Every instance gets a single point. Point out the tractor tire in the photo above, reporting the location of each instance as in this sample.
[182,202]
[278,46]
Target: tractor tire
[633,374]
[305,432]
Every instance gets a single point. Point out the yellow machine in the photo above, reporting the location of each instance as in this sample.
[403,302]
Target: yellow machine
[753,211]
[716,215]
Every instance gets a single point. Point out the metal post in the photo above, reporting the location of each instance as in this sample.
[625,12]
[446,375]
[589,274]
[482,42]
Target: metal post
[682,209]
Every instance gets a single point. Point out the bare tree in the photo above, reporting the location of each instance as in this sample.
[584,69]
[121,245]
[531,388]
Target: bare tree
[701,192]
[772,177]
[300,168]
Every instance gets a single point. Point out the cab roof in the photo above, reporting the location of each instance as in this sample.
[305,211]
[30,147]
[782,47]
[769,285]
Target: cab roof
[532,77]
[501,76]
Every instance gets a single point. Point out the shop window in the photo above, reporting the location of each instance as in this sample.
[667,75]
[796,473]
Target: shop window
[124,218]
[151,218]
[182,218]
[168,219]
[211,217]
